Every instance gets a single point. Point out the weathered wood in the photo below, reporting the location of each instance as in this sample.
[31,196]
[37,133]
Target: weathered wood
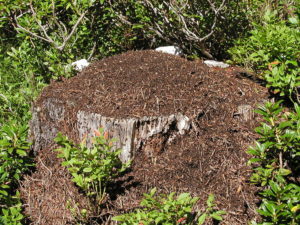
[44,124]
[132,134]
[245,112]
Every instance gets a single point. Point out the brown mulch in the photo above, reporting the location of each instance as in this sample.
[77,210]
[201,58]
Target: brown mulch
[49,194]
[211,158]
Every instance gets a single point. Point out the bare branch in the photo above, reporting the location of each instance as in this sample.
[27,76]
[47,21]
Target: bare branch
[33,34]
[72,32]
[92,51]
[42,29]
[39,23]
[64,26]
[212,29]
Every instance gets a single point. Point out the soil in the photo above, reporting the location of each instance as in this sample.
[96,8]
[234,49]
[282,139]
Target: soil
[211,158]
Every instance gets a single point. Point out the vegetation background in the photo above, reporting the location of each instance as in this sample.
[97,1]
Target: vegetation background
[39,40]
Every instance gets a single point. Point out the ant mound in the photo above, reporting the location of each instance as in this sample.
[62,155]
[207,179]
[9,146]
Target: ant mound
[185,126]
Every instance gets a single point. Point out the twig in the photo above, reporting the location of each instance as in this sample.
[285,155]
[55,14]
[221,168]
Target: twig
[45,166]
[45,36]
[92,51]
[72,32]
[39,23]
[32,33]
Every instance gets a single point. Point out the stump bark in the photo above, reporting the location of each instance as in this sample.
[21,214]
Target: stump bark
[131,134]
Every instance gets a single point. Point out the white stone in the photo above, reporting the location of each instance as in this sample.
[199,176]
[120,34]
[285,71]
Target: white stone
[183,124]
[174,50]
[80,64]
[213,63]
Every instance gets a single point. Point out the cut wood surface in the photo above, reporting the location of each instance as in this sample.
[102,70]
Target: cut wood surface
[132,133]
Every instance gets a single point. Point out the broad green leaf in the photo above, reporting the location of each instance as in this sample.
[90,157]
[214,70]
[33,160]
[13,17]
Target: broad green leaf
[216,217]
[202,218]
[87,170]
[21,152]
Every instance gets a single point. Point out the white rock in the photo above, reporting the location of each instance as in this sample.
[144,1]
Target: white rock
[174,50]
[183,124]
[80,64]
[213,63]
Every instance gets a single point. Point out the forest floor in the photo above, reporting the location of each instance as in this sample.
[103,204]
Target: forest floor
[210,158]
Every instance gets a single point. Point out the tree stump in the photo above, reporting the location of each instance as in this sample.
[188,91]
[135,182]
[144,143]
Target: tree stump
[185,126]
[144,99]
[131,134]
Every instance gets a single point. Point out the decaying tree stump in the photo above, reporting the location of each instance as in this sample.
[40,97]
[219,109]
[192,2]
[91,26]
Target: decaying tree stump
[184,125]
[143,99]
[131,134]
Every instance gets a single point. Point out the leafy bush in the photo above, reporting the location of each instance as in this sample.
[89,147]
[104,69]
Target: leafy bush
[281,203]
[269,42]
[169,210]
[284,79]
[91,168]
[47,36]
[12,215]
[273,49]
[14,161]
[278,149]
[277,160]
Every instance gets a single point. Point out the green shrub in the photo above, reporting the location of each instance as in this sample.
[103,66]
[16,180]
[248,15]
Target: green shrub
[284,79]
[267,43]
[272,49]
[278,148]
[43,37]
[195,26]
[276,157]
[91,168]
[14,162]
[281,203]
[169,210]
[12,215]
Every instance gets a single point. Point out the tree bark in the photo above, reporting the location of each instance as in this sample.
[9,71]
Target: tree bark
[150,134]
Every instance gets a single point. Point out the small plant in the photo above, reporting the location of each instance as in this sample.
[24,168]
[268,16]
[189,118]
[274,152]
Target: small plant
[14,161]
[269,41]
[80,215]
[211,211]
[91,168]
[12,215]
[284,79]
[281,203]
[169,210]
[276,159]
[278,148]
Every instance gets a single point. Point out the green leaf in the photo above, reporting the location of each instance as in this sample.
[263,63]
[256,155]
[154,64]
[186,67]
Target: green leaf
[264,212]
[21,152]
[202,218]
[221,212]
[216,217]
[254,160]
[119,218]
[284,172]
[137,26]
[2,192]
[293,20]
[87,170]
[210,200]
[183,196]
